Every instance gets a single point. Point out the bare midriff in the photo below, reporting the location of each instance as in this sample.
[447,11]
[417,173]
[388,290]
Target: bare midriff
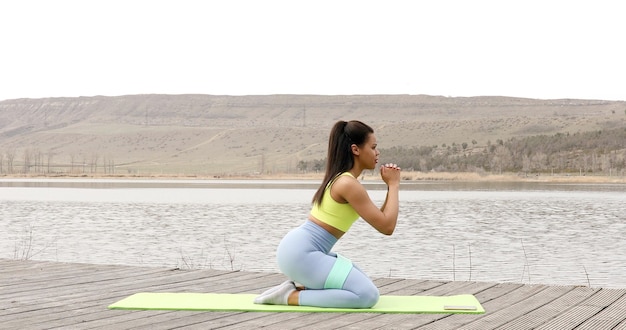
[332,230]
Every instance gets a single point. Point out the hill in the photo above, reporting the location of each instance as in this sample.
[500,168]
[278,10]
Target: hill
[210,135]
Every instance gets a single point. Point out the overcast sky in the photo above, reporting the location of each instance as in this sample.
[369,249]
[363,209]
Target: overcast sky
[532,48]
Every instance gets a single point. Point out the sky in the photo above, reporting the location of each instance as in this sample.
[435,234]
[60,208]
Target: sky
[546,49]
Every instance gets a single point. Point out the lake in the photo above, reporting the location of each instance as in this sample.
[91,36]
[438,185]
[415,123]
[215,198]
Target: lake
[506,232]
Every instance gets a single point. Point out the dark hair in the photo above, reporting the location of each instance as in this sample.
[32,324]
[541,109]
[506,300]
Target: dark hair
[340,159]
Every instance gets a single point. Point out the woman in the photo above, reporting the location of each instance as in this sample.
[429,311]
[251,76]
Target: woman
[304,254]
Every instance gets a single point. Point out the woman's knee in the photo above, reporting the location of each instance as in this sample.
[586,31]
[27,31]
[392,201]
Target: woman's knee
[366,291]
[368,298]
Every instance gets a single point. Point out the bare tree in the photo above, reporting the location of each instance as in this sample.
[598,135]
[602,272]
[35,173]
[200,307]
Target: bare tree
[108,165]
[94,163]
[10,159]
[38,158]
[27,159]
[49,155]
[526,164]
[72,158]
[502,158]
[84,162]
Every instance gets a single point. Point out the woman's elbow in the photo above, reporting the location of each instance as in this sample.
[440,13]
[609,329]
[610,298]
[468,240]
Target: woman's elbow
[387,230]
[384,226]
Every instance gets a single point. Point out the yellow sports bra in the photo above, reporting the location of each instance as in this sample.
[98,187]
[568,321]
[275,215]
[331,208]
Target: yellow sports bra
[330,212]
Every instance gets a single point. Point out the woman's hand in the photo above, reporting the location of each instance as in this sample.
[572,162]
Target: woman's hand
[390,173]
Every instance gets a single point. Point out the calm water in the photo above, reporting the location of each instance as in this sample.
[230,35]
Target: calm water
[524,232]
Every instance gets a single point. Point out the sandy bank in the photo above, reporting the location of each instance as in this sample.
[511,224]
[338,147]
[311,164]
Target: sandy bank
[370,175]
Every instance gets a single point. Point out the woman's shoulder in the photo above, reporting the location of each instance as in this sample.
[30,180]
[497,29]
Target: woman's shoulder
[346,179]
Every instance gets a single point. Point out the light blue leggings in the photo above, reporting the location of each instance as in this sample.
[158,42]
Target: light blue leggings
[304,256]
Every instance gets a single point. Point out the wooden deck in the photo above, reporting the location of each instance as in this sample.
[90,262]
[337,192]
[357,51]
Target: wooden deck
[50,295]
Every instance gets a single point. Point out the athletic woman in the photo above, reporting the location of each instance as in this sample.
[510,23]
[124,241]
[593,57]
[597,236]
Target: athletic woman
[326,279]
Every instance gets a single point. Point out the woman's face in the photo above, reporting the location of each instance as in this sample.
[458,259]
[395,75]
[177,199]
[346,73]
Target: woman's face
[368,154]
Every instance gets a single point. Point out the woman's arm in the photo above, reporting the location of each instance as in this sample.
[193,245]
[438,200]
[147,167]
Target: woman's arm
[395,200]
[391,176]
[382,207]
[383,219]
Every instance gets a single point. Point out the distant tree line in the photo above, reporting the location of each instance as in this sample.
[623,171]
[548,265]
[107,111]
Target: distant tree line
[600,152]
[36,162]
[597,152]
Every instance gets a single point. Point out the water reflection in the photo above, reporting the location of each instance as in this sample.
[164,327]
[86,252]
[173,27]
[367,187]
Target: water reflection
[530,233]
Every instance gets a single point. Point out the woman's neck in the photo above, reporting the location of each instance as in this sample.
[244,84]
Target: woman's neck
[356,171]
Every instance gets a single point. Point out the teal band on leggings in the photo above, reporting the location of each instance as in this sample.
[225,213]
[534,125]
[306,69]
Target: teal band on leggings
[338,273]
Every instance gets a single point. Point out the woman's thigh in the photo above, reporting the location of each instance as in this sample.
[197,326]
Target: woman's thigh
[302,261]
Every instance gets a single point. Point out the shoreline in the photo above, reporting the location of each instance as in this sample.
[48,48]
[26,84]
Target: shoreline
[368,176]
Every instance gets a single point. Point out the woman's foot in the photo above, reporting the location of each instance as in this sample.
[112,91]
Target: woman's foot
[278,295]
[274,288]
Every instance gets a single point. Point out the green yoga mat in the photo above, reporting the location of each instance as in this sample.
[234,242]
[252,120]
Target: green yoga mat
[244,302]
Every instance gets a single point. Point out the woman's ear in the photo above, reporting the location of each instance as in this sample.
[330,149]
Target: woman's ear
[355,149]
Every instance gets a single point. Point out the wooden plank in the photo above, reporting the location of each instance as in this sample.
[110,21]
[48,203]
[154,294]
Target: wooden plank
[43,294]
[492,299]
[65,270]
[57,308]
[497,291]
[386,281]
[307,320]
[455,321]
[518,307]
[450,288]
[41,309]
[409,287]
[475,288]
[238,284]
[582,311]
[41,276]
[98,314]
[33,307]
[85,287]
[223,323]
[551,309]
[196,283]
[411,321]
[269,320]
[51,282]
[609,317]
[621,326]
[159,319]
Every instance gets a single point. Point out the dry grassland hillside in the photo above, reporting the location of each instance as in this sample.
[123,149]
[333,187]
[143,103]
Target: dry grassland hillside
[209,135]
